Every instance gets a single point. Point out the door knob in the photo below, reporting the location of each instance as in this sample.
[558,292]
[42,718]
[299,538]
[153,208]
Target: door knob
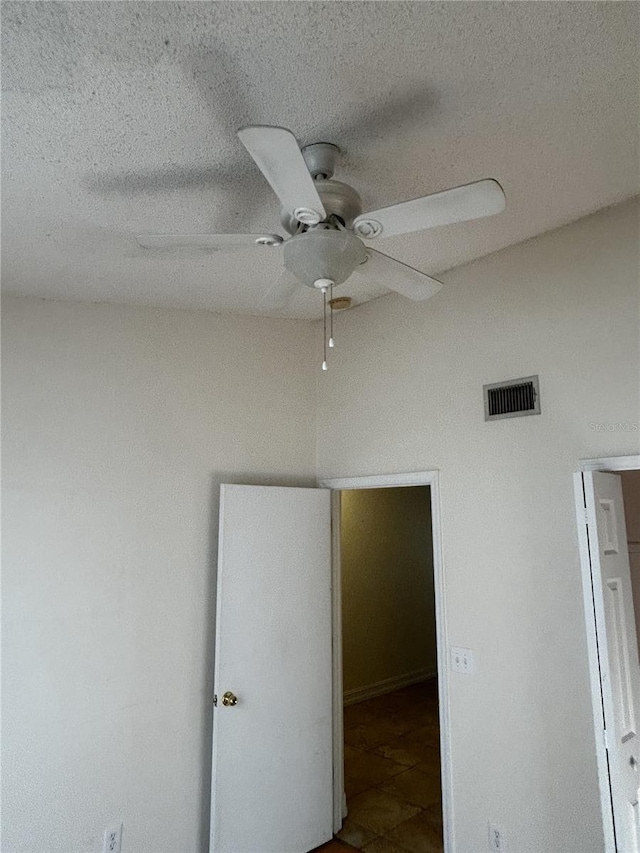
[229,699]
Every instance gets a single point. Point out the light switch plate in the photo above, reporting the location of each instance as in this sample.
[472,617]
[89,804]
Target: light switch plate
[462,660]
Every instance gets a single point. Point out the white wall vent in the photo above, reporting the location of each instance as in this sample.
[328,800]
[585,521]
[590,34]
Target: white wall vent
[513,399]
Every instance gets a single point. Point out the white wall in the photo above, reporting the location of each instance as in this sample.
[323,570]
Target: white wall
[388,598]
[405,393]
[119,424]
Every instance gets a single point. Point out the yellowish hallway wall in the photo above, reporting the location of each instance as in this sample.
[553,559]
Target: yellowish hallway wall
[388,604]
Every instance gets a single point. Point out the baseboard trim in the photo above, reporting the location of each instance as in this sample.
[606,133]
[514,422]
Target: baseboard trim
[387,685]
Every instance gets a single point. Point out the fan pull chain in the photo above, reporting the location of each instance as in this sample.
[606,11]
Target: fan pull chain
[332,342]
[325,366]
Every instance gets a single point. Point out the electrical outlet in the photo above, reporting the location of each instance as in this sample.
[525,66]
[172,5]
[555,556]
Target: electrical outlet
[462,660]
[113,839]
[496,839]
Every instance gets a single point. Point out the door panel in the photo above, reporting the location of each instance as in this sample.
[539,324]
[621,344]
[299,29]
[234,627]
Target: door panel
[618,649]
[272,751]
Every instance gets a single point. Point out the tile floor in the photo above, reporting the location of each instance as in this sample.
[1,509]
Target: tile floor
[334,846]
[392,773]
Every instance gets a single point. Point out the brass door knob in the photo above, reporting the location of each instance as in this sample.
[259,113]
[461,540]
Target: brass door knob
[229,699]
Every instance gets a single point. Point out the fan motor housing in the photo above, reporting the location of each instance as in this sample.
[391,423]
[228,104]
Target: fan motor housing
[339,200]
[322,253]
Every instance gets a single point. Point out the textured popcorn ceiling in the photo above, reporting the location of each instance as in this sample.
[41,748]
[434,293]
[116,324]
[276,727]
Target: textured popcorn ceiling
[120,118]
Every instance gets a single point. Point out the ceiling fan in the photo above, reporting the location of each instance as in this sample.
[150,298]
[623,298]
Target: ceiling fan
[327,226]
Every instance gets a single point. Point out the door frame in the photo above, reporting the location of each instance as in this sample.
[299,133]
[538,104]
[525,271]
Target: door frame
[388,481]
[609,464]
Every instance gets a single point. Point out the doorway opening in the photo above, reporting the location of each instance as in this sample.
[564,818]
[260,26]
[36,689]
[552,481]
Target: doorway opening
[391,756]
[631,496]
[389,665]
[608,513]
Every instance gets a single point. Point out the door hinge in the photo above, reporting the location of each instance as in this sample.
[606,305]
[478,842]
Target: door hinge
[215,700]
[586,516]
[605,739]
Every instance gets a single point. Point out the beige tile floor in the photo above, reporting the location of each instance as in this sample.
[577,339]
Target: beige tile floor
[392,773]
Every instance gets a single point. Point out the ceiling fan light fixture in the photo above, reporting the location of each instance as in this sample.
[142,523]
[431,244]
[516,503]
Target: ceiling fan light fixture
[323,254]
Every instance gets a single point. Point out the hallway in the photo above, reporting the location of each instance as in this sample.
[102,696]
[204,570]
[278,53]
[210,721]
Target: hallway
[392,772]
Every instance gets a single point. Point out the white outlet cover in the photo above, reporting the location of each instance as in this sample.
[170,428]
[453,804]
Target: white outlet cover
[496,839]
[113,839]
[462,660]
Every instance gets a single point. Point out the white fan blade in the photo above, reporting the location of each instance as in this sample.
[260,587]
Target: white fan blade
[471,201]
[210,242]
[278,156]
[279,295]
[399,277]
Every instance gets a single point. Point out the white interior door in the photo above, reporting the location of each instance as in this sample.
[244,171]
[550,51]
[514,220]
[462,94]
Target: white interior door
[617,650]
[272,751]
